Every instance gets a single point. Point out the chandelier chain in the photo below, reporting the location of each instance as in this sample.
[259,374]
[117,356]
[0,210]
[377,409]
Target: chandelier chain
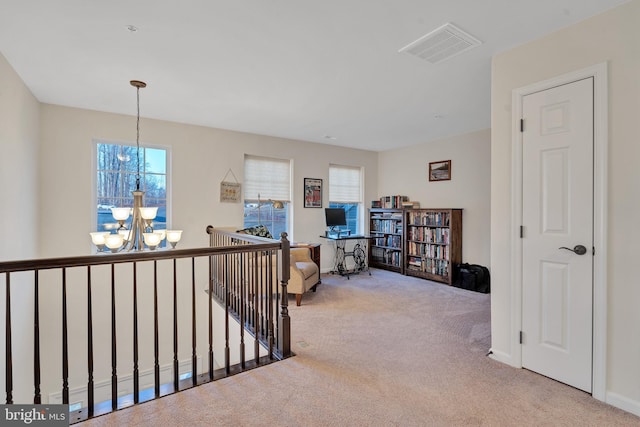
[138,138]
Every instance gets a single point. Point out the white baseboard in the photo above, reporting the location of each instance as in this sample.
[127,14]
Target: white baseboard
[502,357]
[102,389]
[613,399]
[624,403]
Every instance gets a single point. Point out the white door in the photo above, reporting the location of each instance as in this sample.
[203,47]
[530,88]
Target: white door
[557,284]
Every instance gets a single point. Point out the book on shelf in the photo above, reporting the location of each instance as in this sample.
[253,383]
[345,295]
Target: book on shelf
[392,202]
[427,265]
[436,219]
[429,235]
[385,256]
[410,205]
[428,250]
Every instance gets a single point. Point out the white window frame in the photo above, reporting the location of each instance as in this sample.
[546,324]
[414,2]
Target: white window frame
[266,192]
[351,197]
[94,177]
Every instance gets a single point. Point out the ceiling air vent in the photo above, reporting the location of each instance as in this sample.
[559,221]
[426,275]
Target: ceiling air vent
[441,44]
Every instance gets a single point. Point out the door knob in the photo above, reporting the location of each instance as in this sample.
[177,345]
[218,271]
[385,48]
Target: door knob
[578,249]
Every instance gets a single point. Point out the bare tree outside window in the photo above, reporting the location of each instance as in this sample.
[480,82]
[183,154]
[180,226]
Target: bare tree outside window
[117,167]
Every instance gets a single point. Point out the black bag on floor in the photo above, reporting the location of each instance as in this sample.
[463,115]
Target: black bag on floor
[472,277]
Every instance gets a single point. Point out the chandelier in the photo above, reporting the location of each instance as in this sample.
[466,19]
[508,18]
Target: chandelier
[137,233]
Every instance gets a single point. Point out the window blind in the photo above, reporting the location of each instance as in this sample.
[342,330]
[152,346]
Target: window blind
[270,178]
[345,184]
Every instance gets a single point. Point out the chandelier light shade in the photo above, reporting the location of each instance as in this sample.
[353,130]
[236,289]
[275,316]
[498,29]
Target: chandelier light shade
[173,237]
[121,214]
[162,233]
[152,240]
[148,213]
[114,242]
[99,238]
[137,233]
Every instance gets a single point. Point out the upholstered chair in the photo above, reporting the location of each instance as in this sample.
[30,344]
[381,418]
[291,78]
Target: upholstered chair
[305,274]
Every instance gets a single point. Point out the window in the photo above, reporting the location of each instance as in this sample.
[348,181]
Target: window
[345,191]
[266,181]
[116,170]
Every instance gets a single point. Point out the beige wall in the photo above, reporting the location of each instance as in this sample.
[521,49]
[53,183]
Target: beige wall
[47,181]
[19,112]
[200,158]
[612,37]
[404,171]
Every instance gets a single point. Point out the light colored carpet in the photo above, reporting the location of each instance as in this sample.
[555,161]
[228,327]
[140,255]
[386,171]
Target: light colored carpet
[381,350]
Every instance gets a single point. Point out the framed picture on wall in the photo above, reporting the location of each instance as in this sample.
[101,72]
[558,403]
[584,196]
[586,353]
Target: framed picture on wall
[440,171]
[312,193]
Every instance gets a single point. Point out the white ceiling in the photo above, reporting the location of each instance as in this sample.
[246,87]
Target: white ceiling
[300,69]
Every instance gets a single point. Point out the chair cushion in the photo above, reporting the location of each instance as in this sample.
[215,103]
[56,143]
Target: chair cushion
[308,269]
[258,230]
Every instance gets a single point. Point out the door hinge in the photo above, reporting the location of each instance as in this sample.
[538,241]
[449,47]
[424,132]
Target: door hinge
[593,250]
[521,125]
[521,337]
[522,231]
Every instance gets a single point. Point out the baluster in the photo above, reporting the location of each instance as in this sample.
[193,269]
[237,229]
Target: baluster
[262,284]
[156,342]
[267,293]
[220,277]
[245,279]
[194,356]
[242,266]
[136,369]
[227,354]
[8,357]
[256,308]
[90,395]
[114,370]
[210,319]
[236,284]
[241,314]
[275,298]
[216,276]
[232,284]
[238,279]
[65,342]
[37,398]
[270,304]
[176,373]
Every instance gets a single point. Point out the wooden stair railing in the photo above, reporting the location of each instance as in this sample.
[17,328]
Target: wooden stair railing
[143,282]
[255,294]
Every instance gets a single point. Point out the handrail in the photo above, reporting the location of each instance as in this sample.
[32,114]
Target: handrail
[118,258]
[244,290]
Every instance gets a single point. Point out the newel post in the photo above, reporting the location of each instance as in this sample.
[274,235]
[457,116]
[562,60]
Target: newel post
[284,332]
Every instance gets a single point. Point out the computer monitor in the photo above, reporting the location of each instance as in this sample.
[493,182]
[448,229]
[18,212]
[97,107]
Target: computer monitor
[335,217]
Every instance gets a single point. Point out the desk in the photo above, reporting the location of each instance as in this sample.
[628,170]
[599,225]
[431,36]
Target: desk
[358,253]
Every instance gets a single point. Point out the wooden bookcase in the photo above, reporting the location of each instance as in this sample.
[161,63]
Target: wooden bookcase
[433,243]
[387,242]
